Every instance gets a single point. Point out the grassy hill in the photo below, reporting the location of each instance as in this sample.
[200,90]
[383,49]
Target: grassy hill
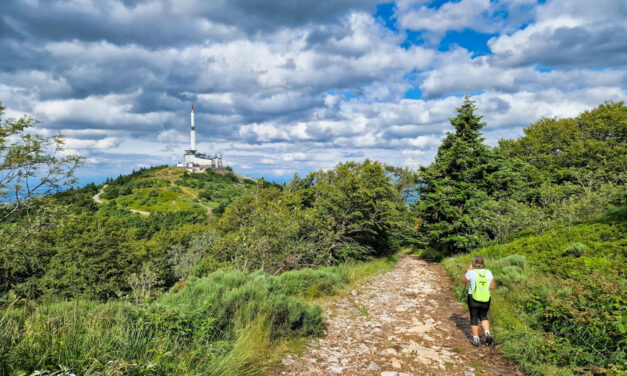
[167,189]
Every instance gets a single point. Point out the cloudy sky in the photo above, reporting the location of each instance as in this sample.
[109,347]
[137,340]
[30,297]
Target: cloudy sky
[285,86]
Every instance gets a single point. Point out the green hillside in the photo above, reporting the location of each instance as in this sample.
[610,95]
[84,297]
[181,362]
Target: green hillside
[167,189]
[93,288]
[559,305]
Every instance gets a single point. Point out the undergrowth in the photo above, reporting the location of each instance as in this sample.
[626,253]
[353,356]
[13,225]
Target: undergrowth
[228,323]
[559,307]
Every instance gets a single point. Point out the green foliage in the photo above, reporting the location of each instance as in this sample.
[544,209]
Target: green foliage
[30,164]
[586,150]
[561,293]
[222,324]
[451,191]
[352,212]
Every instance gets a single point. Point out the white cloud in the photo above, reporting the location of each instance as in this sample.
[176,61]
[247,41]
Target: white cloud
[113,109]
[294,157]
[302,93]
[450,16]
[104,143]
[568,34]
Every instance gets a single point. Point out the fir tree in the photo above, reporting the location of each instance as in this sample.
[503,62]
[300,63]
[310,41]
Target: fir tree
[452,188]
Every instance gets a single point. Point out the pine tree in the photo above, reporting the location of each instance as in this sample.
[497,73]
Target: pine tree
[453,186]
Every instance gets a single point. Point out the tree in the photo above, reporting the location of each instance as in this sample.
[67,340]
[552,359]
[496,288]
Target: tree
[30,164]
[587,150]
[464,173]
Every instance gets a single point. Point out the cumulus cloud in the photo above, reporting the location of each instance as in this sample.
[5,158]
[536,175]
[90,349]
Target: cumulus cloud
[282,87]
[450,16]
[587,33]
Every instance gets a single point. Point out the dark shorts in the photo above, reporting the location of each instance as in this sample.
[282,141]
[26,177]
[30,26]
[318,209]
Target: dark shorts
[478,310]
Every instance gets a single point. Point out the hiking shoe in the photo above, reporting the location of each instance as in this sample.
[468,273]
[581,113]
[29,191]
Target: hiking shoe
[489,340]
[475,341]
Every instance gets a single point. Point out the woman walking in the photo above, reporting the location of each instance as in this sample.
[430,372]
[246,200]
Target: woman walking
[481,282]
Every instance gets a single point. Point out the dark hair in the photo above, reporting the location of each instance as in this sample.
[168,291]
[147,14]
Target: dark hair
[477,262]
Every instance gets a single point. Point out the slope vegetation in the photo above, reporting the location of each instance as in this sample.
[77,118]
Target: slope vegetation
[559,306]
[167,189]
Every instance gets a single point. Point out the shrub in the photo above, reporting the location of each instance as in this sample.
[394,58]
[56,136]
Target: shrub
[510,275]
[575,249]
[230,175]
[204,195]
[312,283]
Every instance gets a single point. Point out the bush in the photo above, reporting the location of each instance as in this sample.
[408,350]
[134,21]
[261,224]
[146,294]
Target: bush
[219,210]
[312,283]
[575,249]
[204,195]
[230,175]
[431,254]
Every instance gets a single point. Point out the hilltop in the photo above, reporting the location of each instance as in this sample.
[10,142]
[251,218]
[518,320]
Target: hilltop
[169,189]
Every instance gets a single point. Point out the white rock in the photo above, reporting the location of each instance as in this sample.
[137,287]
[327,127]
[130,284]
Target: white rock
[390,351]
[373,367]
[389,373]
[336,369]
[287,362]
[396,363]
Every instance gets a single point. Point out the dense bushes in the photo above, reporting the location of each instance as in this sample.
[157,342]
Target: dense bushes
[561,172]
[353,212]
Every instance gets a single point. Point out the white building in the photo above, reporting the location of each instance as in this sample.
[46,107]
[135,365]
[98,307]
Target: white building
[196,161]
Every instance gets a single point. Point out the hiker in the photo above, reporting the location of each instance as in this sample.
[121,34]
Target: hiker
[481,282]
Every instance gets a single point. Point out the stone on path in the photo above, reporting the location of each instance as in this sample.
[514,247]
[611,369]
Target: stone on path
[406,322]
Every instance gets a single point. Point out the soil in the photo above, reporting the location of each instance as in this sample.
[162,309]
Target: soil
[404,322]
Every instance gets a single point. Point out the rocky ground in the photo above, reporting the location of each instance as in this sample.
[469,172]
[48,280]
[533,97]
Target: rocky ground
[404,322]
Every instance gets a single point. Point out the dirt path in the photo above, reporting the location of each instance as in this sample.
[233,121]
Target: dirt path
[97,199]
[405,322]
[97,195]
[194,196]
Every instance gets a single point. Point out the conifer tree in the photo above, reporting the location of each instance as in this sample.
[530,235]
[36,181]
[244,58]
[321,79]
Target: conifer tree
[453,186]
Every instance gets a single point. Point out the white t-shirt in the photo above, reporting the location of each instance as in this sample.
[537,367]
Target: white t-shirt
[472,276]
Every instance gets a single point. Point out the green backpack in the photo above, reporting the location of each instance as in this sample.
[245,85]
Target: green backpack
[481,293]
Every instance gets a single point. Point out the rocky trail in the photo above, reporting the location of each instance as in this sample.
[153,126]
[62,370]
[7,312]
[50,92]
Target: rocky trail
[404,322]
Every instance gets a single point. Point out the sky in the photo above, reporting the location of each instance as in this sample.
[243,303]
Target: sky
[289,86]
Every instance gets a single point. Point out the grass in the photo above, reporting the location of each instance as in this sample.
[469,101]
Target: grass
[559,307]
[168,189]
[227,323]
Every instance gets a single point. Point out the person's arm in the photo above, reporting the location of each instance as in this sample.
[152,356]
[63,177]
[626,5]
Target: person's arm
[492,284]
[464,279]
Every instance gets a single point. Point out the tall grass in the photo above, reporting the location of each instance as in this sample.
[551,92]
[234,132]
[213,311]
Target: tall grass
[222,324]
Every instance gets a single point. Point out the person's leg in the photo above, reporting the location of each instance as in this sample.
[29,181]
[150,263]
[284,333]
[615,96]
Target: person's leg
[474,320]
[485,324]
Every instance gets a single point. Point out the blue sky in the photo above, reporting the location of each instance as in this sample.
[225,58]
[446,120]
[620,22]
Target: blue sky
[281,87]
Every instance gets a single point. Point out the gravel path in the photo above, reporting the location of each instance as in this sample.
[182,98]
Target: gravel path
[404,322]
